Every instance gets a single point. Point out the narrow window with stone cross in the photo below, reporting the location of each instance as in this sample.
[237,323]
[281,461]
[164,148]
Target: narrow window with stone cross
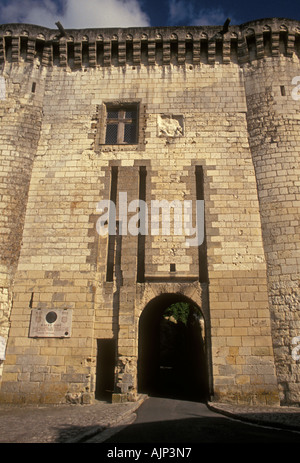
[121,125]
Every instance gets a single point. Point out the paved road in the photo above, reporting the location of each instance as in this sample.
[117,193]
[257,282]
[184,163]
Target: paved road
[173,421]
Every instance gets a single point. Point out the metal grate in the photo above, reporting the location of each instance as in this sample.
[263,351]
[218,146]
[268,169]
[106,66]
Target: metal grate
[130,133]
[111,134]
[130,114]
[112,114]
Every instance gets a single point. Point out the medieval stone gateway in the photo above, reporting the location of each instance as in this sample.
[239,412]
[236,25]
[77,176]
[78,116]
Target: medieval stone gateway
[186,117]
[173,355]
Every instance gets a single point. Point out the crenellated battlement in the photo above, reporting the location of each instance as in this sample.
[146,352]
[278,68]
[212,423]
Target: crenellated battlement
[149,46]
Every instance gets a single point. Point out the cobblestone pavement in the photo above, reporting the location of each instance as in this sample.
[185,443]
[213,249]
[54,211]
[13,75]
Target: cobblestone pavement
[77,423]
[60,423]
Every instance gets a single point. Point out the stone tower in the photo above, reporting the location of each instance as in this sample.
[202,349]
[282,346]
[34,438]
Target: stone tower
[146,117]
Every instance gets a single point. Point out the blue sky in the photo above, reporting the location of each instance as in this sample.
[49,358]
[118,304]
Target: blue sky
[130,13]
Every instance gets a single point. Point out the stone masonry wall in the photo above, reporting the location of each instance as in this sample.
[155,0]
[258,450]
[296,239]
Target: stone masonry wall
[206,92]
[274,128]
[21,116]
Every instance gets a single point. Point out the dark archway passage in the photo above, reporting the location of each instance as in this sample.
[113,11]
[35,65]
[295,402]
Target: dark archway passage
[172,356]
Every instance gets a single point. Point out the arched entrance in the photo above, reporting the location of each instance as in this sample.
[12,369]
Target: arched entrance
[172,360]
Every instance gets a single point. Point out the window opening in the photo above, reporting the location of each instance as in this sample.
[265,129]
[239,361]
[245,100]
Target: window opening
[39,49]
[8,48]
[267,43]
[70,53]
[121,125]
[23,49]
[219,51]
[189,49]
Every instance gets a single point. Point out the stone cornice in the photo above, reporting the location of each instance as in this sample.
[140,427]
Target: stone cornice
[241,44]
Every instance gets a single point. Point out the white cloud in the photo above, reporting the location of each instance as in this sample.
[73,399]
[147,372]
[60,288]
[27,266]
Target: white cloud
[76,13]
[181,12]
[215,17]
